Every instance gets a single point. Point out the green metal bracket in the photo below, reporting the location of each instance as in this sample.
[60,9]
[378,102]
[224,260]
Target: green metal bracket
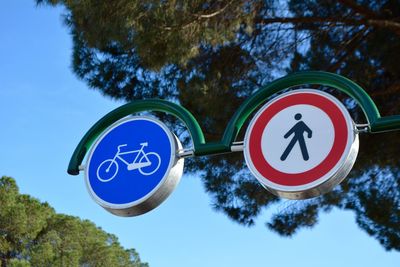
[126,110]
[201,147]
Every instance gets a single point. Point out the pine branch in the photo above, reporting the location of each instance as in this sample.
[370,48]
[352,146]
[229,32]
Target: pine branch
[349,48]
[198,17]
[216,13]
[382,23]
[362,10]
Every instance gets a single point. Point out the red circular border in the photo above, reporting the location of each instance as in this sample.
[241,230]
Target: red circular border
[298,179]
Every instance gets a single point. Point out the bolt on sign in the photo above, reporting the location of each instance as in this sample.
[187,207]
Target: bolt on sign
[299,144]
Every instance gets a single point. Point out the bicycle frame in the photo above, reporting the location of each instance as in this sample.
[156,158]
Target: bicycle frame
[139,152]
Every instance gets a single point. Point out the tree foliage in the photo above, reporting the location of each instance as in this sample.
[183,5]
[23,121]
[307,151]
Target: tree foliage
[210,55]
[33,234]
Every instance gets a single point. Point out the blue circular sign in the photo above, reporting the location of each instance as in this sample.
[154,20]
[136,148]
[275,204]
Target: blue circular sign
[130,162]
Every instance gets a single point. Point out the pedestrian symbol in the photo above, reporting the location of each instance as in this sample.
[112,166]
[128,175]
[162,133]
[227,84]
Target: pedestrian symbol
[301,144]
[298,130]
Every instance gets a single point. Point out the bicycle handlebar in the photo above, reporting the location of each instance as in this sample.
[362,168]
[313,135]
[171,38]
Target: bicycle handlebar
[119,147]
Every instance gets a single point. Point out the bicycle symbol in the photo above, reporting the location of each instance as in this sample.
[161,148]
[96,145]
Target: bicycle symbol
[146,163]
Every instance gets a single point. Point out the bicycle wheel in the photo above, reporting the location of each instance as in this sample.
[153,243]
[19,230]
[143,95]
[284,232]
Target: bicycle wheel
[107,170]
[155,162]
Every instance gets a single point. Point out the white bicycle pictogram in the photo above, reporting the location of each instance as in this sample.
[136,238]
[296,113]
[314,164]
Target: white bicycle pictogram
[146,163]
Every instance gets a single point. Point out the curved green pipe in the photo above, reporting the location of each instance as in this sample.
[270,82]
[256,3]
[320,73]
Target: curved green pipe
[376,123]
[128,109]
[302,78]
[312,77]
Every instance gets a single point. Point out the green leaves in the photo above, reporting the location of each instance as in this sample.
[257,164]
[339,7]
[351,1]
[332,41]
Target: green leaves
[210,55]
[160,32]
[32,234]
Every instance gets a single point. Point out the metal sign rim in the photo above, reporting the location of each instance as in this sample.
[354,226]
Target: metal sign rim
[173,159]
[293,191]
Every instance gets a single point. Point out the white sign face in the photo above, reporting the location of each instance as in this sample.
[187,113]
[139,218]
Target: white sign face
[301,144]
[319,145]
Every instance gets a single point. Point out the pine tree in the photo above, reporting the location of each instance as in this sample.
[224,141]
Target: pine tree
[204,53]
[33,234]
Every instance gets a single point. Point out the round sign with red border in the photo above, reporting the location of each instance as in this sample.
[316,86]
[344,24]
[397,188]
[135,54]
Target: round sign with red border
[301,144]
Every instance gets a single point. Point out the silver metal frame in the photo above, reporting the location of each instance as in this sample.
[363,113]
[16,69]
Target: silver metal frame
[323,184]
[154,198]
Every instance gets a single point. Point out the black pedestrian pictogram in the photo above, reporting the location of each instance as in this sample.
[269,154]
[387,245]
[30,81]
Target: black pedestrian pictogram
[298,130]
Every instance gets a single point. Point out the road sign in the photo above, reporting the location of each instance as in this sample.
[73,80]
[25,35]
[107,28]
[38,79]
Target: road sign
[301,144]
[133,166]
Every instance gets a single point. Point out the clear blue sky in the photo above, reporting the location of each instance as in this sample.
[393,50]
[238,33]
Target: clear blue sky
[45,110]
